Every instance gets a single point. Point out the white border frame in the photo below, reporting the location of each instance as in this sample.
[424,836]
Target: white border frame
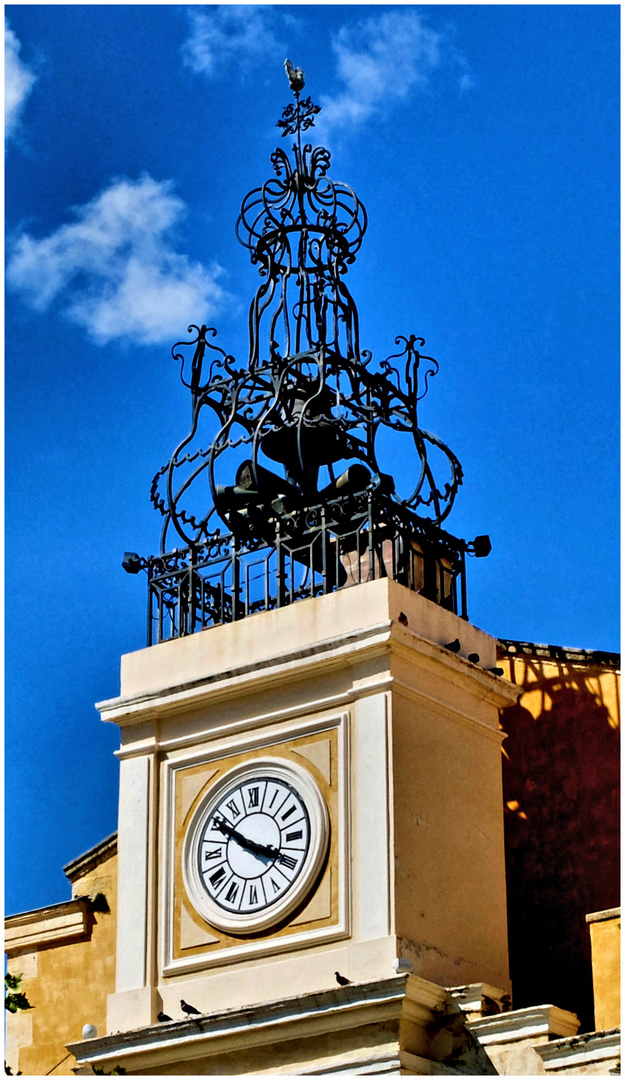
[271,741]
[307,790]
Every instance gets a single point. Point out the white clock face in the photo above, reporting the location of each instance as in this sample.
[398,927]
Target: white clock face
[256,845]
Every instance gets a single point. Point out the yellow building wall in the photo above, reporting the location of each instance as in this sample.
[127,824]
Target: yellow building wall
[561,766]
[450,900]
[605,942]
[67,985]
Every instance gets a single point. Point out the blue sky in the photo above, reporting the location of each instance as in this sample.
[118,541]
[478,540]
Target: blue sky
[483,141]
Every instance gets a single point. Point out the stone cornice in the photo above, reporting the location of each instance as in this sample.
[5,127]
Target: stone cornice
[330,654]
[77,868]
[387,637]
[580,1050]
[405,997]
[54,925]
[443,708]
[559,654]
[603,916]
[532,1023]
[479,682]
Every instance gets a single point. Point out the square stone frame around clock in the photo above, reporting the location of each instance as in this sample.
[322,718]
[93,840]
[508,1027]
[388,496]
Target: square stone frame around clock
[321,746]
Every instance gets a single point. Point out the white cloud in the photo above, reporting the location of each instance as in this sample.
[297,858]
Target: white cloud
[231,35]
[115,270]
[383,60]
[18,82]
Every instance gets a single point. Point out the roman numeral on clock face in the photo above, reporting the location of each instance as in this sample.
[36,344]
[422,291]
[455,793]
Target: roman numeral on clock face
[232,892]
[217,876]
[255,846]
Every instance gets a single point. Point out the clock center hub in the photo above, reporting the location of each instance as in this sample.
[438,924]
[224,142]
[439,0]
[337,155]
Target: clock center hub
[259,829]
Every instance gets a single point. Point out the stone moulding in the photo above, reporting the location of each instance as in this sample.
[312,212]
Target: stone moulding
[86,862]
[580,1050]
[54,925]
[535,1022]
[377,639]
[603,916]
[402,998]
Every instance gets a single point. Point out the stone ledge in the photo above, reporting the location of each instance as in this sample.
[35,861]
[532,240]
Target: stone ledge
[183,672]
[135,708]
[382,638]
[305,1016]
[54,925]
[603,916]
[478,1000]
[580,1050]
[532,1023]
[80,866]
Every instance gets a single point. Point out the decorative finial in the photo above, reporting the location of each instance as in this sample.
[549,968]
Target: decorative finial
[295,77]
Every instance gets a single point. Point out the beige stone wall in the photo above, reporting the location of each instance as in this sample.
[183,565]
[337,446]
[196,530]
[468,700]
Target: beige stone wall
[67,984]
[605,942]
[450,900]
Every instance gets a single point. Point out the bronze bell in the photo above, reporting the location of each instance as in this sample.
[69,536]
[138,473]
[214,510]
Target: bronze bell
[321,440]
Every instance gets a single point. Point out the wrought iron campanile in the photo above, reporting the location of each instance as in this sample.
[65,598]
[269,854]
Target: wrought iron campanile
[276,492]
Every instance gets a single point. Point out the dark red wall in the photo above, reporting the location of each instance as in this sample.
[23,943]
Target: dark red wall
[562,824]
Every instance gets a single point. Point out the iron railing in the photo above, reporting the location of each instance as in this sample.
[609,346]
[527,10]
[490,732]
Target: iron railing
[322,549]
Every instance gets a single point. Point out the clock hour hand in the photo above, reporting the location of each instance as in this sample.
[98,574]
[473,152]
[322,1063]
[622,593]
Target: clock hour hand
[225,828]
[260,849]
[251,845]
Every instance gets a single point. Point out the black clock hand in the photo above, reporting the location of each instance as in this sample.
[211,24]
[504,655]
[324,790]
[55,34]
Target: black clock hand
[251,845]
[224,827]
[261,849]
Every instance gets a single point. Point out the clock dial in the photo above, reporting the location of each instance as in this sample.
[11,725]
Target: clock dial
[255,845]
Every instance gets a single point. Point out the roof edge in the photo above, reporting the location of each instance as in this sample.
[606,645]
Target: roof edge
[587,657]
[80,866]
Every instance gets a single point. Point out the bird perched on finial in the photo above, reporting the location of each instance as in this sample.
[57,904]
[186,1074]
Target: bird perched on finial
[295,76]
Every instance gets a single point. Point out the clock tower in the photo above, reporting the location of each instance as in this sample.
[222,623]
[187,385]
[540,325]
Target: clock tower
[310,824]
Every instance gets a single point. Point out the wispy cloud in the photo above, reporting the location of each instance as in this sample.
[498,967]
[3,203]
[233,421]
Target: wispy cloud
[231,36]
[115,270]
[383,60]
[18,82]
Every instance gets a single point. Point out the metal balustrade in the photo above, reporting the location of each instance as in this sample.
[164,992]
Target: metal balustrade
[317,551]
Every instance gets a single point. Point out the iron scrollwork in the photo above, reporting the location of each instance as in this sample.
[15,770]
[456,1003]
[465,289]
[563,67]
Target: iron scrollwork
[297,434]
